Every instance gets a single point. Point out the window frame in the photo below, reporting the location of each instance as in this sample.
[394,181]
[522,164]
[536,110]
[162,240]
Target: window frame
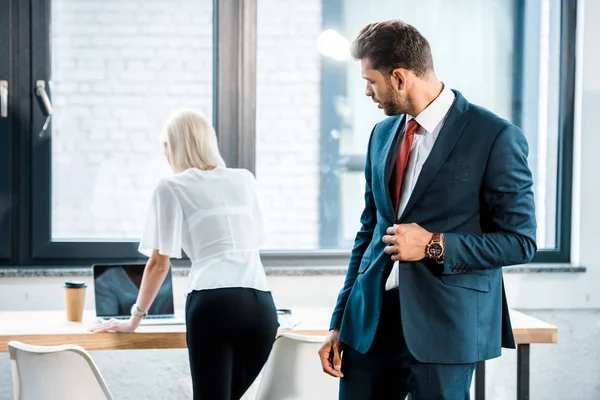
[561,253]
[43,249]
[7,29]
[566,120]
[232,47]
[29,183]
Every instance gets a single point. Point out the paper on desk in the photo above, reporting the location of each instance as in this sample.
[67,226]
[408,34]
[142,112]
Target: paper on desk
[287,321]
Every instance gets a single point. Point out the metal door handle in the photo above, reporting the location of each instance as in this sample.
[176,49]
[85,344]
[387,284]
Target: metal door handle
[40,91]
[3,99]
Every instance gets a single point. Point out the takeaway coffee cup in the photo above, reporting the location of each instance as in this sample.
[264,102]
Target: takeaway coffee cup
[74,300]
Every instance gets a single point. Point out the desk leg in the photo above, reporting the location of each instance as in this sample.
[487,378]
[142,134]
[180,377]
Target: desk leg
[480,381]
[523,372]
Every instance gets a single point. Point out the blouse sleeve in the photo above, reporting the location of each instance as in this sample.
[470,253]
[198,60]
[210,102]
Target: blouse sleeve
[164,224]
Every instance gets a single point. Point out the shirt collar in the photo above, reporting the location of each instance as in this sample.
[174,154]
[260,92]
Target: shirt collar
[435,112]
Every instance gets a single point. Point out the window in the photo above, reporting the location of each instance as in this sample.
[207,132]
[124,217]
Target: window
[285,98]
[313,119]
[117,70]
[544,108]
[288,128]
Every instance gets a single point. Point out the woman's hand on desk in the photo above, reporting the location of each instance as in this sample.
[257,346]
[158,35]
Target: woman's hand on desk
[115,325]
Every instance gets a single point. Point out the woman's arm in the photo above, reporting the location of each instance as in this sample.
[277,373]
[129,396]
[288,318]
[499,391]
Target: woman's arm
[155,273]
[160,241]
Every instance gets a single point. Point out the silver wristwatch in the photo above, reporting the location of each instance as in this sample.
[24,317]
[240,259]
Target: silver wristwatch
[135,311]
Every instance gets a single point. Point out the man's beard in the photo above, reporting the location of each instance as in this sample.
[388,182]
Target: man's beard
[395,104]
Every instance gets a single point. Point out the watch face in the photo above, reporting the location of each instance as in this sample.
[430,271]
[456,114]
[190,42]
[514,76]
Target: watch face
[435,250]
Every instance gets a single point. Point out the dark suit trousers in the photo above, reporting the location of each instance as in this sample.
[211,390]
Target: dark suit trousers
[389,371]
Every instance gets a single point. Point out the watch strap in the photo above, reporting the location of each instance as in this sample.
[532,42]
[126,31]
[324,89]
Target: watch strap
[136,311]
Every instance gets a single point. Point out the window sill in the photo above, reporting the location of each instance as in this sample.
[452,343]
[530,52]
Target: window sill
[74,272]
[335,270]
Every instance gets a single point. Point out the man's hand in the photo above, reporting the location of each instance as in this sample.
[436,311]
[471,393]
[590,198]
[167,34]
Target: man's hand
[406,242]
[330,354]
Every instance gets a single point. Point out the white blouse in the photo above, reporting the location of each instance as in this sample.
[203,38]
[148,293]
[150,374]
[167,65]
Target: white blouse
[215,217]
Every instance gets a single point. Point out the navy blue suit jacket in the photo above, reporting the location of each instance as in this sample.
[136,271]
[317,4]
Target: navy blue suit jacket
[476,189]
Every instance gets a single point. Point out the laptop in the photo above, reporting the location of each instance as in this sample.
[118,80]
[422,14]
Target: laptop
[116,288]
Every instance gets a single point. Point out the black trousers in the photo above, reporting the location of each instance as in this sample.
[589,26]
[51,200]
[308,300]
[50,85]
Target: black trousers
[388,371]
[230,333]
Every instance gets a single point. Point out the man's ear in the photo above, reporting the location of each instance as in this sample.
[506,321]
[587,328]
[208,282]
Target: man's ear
[399,76]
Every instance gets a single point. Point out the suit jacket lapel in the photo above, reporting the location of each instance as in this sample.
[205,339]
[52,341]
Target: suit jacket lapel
[389,154]
[450,133]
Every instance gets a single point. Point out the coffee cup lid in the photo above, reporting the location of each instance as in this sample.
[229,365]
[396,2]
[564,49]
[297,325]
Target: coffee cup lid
[75,284]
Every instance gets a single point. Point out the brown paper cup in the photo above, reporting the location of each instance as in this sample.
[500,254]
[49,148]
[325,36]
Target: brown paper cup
[75,300]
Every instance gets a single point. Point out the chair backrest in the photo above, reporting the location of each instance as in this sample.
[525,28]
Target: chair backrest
[293,371]
[55,373]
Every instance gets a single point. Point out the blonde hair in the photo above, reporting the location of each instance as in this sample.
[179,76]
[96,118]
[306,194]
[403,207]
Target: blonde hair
[191,142]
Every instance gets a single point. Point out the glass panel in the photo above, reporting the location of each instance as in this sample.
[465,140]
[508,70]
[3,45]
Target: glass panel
[288,129]
[541,110]
[298,67]
[118,69]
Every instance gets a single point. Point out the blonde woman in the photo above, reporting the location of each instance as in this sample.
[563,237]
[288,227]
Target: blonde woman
[213,214]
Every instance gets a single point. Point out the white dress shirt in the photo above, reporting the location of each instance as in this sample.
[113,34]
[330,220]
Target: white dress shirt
[215,217]
[430,122]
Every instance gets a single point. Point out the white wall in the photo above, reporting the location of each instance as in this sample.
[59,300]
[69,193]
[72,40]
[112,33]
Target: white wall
[47,293]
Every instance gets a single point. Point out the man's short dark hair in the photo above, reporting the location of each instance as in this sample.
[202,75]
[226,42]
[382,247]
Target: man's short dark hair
[393,44]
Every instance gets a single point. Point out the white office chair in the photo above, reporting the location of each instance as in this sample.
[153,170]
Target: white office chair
[55,373]
[294,372]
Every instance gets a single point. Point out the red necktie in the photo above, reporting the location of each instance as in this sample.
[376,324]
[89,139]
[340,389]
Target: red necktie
[401,162]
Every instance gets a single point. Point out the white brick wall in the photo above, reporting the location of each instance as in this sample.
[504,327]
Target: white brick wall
[120,68]
[288,112]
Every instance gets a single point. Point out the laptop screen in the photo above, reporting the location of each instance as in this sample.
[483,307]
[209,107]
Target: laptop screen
[116,288]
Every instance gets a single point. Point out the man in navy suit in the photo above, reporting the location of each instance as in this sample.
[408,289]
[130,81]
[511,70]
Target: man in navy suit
[448,202]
